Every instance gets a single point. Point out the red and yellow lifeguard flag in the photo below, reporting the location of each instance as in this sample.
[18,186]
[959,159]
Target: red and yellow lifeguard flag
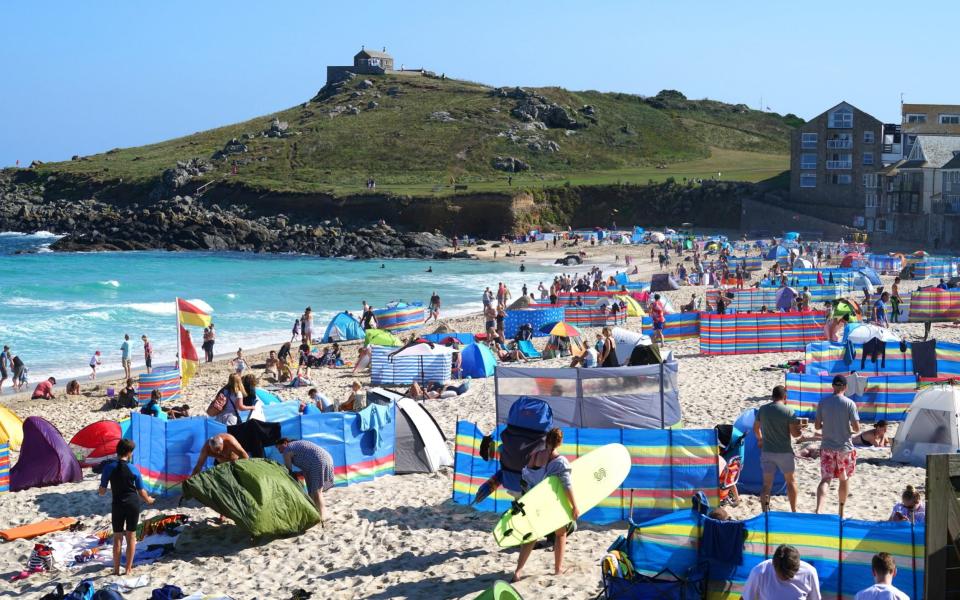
[190,314]
[189,362]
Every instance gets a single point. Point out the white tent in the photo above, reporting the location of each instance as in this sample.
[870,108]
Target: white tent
[802,263]
[625,341]
[861,333]
[932,426]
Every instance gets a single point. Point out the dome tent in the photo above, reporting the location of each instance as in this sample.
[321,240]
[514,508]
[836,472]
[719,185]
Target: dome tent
[343,327]
[932,426]
[96,442]
[45,458]
[477,361]
[776,252]
[11,427]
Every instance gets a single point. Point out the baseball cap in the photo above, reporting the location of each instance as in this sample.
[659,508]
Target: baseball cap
[839,380]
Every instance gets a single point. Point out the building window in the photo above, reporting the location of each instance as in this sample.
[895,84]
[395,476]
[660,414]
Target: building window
[868,158]
[808,180]
[950,119]
[871,200]
[845,179]
[842,118]
[808,161]
[871,180]
[868,137]
[882,225]
[808,140]
[916,118]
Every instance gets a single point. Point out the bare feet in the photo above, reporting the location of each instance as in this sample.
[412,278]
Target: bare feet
[116,572]
[129,571]
[516,577]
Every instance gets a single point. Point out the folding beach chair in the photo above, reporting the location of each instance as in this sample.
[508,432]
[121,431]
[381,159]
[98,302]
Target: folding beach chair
[526,347]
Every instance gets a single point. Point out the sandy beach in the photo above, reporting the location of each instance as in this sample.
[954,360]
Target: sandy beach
[401,536]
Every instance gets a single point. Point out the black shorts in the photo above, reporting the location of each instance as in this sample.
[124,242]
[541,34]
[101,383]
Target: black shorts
[3,373]
[149,362]
[125,518]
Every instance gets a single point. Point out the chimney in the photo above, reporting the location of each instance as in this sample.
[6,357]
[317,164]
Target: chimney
[384,48]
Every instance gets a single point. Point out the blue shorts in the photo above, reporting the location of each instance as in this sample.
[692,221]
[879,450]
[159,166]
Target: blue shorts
[658,325]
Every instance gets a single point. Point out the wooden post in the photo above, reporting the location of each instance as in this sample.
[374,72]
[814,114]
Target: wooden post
[942,552]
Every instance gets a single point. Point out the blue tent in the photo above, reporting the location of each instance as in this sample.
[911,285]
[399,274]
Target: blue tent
[751,474]
[776,252]
[791,236]
[477,361]
[343,327]
[871,275]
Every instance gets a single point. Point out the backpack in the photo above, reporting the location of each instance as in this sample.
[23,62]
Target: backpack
[217,405]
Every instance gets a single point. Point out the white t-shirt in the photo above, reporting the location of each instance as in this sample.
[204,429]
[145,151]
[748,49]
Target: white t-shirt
[881,591]
[763,584]
[590,358]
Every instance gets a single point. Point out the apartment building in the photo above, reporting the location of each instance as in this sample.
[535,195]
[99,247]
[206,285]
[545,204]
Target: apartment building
[831,158]
[928,119]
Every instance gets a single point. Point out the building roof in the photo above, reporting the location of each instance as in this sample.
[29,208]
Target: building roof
[954,163]
[929,108]
[364,53]
[932,151]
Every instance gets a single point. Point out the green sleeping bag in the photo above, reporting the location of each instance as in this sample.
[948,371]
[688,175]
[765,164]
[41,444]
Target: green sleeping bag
[257,494]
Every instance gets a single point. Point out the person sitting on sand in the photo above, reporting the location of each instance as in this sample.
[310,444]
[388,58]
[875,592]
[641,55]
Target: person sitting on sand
[335,358]
[588,359]
[73,388]
[127,398]
[884,569]
[322,402]
[271,367]
[315,463]
[356,400]
[511,354]
[543,464]
[44,390]
[876,437]
[222,448]
[784,577]
[434,389]
[152,408]
[127,489]
[910,508]
[363,356]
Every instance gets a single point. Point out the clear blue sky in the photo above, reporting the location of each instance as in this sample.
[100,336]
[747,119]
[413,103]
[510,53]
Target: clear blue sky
[84,77]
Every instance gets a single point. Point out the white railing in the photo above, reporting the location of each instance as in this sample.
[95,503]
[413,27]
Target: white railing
[839,164]
[839,144]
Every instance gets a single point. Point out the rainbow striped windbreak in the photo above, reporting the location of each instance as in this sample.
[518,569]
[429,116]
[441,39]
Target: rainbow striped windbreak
[165,379]
[753,333]
[883,263]
[754,299]
[669,465]
[749,263]
[801,277]
[4,468]
[840,550]
[676,326]
[167,450]
[889,387]
[400,318]
[935,267]
[934,304]
[590,316]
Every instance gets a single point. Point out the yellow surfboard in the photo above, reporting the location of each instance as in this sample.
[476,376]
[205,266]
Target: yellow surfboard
[545,508]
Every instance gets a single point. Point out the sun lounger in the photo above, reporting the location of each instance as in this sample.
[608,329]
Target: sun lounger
[526,347]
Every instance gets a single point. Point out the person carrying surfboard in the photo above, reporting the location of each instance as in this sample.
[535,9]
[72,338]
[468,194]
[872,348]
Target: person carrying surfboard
[543,464]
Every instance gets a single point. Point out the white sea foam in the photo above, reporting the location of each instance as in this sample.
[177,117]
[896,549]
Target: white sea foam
[111,283]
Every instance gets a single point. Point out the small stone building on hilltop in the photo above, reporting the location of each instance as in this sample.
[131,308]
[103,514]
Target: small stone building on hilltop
[365,62]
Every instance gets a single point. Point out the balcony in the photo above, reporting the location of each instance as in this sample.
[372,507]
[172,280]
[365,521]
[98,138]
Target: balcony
[839,164]
[808,144]
[839,144]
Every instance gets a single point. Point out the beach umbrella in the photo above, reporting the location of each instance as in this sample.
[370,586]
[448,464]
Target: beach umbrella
[657,237]
[561,329]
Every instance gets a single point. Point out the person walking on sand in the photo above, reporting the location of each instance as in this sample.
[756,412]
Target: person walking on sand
[837,418]
[774,427]
[543,464]
[5,364]
[147,353]
[659,318]
[94,363]
[434,307]
[127,489]
[306,325]
[125,356]
[295,333]
[315,463]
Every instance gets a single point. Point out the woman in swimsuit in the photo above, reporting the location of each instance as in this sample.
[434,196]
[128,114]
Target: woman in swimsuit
[876,437]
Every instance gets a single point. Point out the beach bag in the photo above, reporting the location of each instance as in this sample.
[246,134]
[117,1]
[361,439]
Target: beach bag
[217,405]
[167,592]
[84,591]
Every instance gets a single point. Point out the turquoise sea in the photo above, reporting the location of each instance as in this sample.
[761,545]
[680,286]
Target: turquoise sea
[57,309]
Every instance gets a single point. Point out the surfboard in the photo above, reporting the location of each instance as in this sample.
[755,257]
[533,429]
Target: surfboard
[25,532]
[501,590]
[545,508]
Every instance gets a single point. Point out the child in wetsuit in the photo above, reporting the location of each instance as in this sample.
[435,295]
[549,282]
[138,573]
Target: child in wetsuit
[127,485]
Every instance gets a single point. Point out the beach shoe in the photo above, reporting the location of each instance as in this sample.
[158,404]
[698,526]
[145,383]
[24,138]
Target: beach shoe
[300,594]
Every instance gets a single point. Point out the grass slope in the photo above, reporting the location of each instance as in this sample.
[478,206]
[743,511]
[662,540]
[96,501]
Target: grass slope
[409,152]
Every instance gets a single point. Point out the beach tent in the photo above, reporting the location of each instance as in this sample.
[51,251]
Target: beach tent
[625,341]
[860,282]
[663,282]
[791,236]
[11,427]
[96,442]
[932,426]
[751,474]
[852,259]
[870,275]
[847,306]
[257,494]
[861,333]
[477,361]
[645,397]
[379,337]
[420,445]
[45,458]
[633,307]
[802,263]
[776,253]
[343,327]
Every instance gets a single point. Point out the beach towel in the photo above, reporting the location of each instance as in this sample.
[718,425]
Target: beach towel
[924,358]
[723,541]
[374,418]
